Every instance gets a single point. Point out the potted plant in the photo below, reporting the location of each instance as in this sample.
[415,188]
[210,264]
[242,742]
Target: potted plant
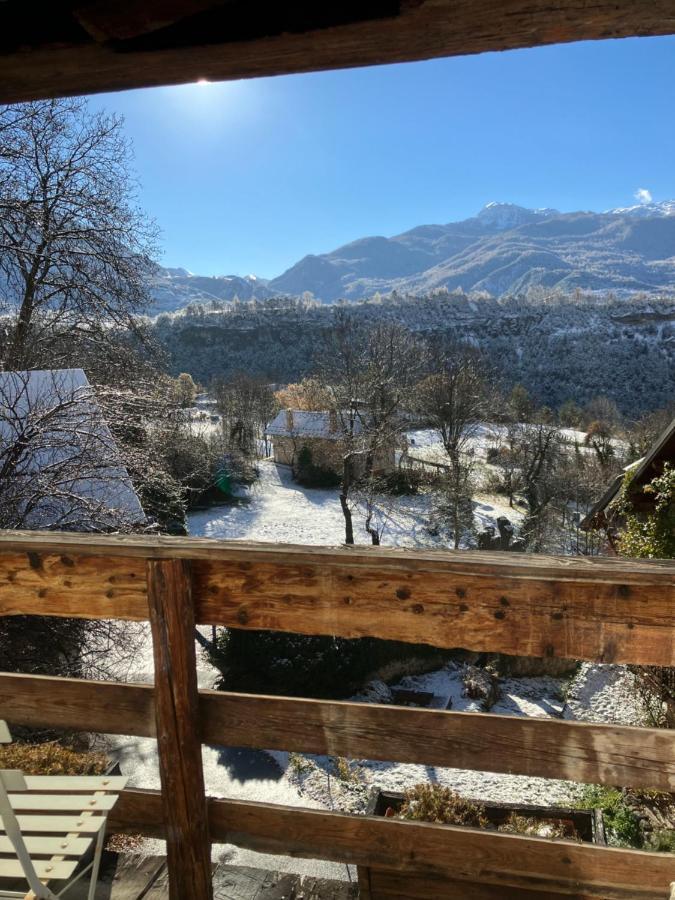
[434,803]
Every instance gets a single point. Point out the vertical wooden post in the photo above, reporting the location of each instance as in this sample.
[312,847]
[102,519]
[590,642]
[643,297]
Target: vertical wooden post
[176,711]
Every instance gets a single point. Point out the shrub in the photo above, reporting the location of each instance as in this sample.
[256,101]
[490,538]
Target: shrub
[435,803]
[528,825]
[662,841]
[273,662]
[51,759]
[623,827]
[344,771]
[651,536]
[401,481]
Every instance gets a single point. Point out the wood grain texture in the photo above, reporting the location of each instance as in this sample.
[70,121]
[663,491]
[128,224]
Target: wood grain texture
[421,30]
[386,884]
[557,867]
[549,748]
[69,585]
[594,609]
[578,751]
[177,721]
[98,706]
[519,609]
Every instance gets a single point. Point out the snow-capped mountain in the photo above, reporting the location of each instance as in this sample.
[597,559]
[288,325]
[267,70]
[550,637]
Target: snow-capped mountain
[504,249]
[646,210]
[175,288]
[502,216]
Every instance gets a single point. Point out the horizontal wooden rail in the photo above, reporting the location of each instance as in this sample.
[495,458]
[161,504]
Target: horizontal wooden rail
[539,606]
[577,751]
[559,867]
[595,609]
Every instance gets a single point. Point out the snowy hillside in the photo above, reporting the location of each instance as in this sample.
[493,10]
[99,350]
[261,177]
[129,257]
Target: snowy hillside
[173,289]
[559,347]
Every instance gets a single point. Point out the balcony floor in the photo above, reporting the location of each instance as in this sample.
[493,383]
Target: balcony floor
[131,877]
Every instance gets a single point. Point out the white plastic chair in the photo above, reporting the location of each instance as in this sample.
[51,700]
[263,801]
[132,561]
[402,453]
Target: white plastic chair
[48,824]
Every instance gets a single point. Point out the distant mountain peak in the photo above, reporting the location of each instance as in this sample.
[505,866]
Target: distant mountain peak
[500,215]
[504,249]
[659,209]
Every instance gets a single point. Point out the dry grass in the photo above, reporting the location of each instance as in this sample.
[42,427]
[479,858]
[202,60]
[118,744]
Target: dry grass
[433,803]
[51,759]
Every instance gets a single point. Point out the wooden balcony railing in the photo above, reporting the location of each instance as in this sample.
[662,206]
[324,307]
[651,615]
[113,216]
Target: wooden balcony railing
[593,609]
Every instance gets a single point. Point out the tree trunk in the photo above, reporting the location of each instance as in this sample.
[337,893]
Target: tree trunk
[16,357]
[347,513]
[455,482]
[374,536]
[344,494]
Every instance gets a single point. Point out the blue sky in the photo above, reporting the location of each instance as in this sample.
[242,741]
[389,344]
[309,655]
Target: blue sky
[249,176]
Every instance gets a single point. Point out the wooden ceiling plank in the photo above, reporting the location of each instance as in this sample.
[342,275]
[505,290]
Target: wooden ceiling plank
[431,29]
[107,20]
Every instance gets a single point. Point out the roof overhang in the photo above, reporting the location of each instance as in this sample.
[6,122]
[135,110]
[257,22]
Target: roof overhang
[644,470]
[80,47]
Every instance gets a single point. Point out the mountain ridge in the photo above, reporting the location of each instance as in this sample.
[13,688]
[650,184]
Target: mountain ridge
[504,249]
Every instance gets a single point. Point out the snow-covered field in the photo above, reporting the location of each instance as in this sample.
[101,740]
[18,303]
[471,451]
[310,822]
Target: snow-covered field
[599,693]
[276,509]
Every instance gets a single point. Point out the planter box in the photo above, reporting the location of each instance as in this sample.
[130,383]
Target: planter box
[386,884]
[403,697]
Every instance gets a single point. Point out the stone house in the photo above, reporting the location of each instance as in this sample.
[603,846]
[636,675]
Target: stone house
[322,433]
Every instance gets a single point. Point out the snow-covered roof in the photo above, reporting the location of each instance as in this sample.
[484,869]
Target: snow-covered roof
[303,423]
[59,462]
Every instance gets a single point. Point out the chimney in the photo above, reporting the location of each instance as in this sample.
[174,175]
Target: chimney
[332,421]
[289,420]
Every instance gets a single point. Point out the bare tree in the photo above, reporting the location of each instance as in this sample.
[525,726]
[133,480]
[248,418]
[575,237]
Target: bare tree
[456,400]
[600,438]
[60,469]
[537,453]
[74,248]
[369,375]
[644,432]
[308,394]
[247,406]
[59,465]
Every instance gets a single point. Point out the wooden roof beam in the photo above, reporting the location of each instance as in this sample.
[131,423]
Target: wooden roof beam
[416,29]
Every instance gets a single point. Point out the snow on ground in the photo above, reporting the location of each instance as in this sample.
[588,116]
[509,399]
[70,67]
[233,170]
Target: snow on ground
[276,509]
[519,697]
[228,772]
[598,693]
[425,443]
[605,694]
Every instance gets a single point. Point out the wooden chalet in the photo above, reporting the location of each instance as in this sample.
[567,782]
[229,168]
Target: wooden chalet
[591,609]
[642,472]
